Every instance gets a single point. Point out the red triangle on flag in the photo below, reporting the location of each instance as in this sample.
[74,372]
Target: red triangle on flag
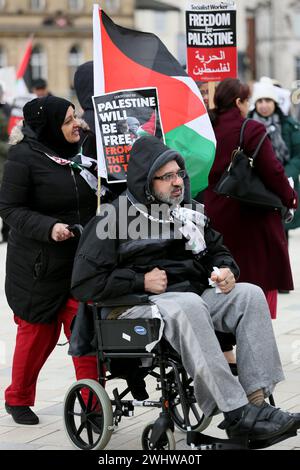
[25,59]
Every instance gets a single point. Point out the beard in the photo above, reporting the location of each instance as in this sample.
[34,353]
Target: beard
[168,198]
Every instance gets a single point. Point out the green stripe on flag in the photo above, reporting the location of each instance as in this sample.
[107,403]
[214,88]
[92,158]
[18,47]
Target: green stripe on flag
[198,153]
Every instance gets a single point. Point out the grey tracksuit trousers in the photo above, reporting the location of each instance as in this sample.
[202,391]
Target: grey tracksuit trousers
[190,321]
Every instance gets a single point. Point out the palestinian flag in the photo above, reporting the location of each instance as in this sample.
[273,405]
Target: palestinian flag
[149,127]
[25,59]
[127,59]
[22,93]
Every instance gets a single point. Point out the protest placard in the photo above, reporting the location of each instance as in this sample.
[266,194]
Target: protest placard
[211,40]
[124,116]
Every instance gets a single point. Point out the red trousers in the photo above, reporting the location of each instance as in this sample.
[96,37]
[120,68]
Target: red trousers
[34,344]
[271,296]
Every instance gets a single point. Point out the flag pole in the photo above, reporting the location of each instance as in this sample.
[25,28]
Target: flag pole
[99,195]
[211,94]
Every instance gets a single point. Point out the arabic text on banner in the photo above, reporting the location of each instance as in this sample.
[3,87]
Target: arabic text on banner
[211,40]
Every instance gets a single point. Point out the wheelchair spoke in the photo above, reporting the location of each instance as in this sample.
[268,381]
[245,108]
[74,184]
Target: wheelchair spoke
[79,430]
[90,401]
[80,399]
[89,432]
[73,413]
[193,407]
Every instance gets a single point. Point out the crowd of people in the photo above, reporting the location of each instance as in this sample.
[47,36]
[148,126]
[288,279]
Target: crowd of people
[47,198]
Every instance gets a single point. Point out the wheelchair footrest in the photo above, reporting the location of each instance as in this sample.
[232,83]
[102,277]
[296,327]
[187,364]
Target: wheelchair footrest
[205,442]
[270,442]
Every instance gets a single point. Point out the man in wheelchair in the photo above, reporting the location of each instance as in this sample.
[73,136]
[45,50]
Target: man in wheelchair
[154,239]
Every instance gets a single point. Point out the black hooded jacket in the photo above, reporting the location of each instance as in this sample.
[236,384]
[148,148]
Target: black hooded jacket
[115,265]
[35,194]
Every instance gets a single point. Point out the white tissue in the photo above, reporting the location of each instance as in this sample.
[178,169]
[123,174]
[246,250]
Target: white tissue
[214,284]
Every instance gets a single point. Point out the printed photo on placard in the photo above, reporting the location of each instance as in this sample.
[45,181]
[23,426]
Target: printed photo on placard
[124,116]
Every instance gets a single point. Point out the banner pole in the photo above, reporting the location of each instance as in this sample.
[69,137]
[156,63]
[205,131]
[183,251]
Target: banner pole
[211,94]
[99,195]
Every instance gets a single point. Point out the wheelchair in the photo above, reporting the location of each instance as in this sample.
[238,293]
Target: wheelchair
[90,416]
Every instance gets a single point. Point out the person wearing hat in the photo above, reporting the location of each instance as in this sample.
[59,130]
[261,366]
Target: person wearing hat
[254,236]
[44,192]
[284,132]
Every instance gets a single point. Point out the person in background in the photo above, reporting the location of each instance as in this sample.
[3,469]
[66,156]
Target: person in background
[284,132]
[4,106]
[44,196]
[254,236]
[4,117]
[40,88]
[203,87]
[84,88]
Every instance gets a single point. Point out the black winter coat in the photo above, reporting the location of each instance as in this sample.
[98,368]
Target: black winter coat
[35,194]
[111,262]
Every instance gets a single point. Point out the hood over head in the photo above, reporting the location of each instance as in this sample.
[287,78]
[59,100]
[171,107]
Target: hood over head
[84,87]
[148,154]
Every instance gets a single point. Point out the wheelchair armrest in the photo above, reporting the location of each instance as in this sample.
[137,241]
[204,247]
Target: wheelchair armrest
[124,300]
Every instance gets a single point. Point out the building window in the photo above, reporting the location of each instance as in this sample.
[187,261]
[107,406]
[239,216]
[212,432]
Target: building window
[160,22]
[37,5]
[38,63]
[3,58]
[76,5]
[112,6]
[75,59]
[297,68]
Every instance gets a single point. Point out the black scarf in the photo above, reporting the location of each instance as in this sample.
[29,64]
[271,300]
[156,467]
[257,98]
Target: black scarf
[45,116]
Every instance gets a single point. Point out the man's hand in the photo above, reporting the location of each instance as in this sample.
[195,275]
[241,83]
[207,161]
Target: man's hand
[156,281]
[225,281]
[60,232]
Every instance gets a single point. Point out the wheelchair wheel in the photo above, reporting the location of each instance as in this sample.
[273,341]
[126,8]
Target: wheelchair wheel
[166,441]
[198,420]
[88,417]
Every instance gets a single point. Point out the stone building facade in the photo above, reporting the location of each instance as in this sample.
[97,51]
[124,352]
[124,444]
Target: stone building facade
[62,35]
[277,32]
[268,34]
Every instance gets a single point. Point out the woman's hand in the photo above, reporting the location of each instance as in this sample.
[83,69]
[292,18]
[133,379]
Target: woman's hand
[60,233]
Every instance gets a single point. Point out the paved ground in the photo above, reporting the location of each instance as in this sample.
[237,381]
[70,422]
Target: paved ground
[57,376]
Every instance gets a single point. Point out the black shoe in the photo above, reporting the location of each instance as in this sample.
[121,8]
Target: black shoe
[296,417]
[259,423]
[22,414]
